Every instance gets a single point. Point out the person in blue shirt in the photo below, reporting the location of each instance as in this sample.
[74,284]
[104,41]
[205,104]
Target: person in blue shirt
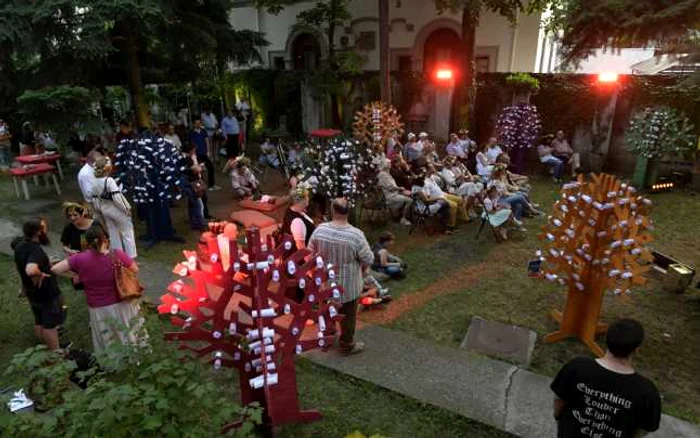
[231,131]
[198,137]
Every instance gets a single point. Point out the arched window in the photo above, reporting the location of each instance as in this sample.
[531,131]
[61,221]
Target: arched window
[442,48]
[306,52]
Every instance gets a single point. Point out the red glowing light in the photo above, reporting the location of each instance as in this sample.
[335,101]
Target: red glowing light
[608,77]
[444,74]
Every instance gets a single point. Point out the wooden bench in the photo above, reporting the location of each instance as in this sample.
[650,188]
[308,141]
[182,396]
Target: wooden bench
[22,173]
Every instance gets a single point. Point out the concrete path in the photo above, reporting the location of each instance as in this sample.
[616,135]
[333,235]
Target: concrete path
[483,389]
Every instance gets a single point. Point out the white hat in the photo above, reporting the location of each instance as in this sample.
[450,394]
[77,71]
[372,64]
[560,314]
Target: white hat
[411,135]
[423,135]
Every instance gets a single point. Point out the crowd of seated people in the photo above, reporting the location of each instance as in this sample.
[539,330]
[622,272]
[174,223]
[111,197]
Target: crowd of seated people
[417,179]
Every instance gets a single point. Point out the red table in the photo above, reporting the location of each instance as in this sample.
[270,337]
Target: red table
[21,173]
[42,158]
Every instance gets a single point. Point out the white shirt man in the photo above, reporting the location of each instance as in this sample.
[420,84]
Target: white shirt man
[455,148]
[210,122]
[174,139]
[86,179]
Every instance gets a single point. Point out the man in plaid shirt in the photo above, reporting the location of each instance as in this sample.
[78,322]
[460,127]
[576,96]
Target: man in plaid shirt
[346,247]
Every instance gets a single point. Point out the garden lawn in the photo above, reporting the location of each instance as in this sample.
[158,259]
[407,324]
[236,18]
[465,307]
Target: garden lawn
[453,279]
[347,404]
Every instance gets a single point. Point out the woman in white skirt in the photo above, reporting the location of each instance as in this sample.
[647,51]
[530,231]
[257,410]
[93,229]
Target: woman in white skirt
[114,208]
[111,319]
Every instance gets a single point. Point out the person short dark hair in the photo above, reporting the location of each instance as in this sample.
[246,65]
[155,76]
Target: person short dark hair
[341,206]
[33,227]
[624,337]
[386,236]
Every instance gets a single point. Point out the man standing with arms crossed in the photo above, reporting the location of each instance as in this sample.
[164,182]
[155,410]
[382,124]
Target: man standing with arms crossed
[347,249]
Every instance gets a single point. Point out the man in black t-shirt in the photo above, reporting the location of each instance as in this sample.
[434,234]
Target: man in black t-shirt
[38,284]
[605,397]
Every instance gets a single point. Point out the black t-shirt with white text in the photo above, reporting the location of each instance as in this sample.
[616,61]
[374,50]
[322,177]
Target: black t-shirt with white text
[27,252]
[604,404]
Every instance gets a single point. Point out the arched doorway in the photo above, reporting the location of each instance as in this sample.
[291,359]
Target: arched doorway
[442,48]
[306,52]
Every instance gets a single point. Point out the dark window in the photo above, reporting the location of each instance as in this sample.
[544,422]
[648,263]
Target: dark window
[278,63]
[366,41]
[482,64]
[306,52]
[405,63]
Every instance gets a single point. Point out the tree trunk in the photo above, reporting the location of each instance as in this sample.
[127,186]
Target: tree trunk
[384,67]
[465,95]
[335,109]
[133,73]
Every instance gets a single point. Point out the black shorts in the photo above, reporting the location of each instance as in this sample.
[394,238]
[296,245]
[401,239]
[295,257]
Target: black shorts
[48,315]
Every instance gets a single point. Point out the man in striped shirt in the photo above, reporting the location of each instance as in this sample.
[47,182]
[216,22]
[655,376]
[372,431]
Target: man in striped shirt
[347,249]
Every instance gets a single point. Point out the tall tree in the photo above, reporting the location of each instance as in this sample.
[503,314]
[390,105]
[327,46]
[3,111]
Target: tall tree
[471,11]
[385,77]
[123,40]
[588,25]
[328,16]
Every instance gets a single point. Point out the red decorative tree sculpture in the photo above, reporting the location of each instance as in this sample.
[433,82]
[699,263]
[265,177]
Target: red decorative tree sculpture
[595,240]
[237,305]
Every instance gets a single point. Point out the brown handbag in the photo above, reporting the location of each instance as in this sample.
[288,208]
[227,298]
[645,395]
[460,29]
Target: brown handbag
[126,281]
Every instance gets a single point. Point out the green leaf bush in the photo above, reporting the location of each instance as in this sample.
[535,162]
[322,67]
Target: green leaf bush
[146,392]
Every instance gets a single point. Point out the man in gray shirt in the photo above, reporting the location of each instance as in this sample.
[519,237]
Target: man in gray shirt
[346,247]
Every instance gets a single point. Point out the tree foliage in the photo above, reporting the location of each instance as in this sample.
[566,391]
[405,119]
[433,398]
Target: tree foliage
[588,25]
[106,42]
[655,132]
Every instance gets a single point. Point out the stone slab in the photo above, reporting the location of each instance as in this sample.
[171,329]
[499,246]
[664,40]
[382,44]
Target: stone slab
[503,341]
[529,406]
[456,380]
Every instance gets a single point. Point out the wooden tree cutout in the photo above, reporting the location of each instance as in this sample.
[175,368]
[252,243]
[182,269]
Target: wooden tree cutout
[233,307]
[595,240]
[376,123]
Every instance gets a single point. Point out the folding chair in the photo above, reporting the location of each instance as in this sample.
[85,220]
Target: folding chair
[422,216]
[485,221]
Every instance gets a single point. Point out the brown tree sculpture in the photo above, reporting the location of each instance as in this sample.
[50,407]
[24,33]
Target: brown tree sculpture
[375,124]
[236,307]
[595,240]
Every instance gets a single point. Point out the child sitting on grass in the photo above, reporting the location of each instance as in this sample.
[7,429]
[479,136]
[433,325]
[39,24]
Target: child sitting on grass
[386,262]
[373,293]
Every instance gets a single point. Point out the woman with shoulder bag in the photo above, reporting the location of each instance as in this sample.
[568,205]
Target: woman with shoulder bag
[114,208]
[112,318]
[195,189]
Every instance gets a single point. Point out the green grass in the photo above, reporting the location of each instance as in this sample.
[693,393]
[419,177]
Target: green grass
[347,404]
[671,352]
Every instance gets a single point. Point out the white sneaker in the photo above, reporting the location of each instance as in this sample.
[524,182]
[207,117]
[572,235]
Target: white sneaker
[405,221]
[214,188]
[518,222]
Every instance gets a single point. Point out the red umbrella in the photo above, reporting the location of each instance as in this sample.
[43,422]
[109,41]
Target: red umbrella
[325,133]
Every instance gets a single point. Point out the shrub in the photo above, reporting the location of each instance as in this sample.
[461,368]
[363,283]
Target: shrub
[150,393]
